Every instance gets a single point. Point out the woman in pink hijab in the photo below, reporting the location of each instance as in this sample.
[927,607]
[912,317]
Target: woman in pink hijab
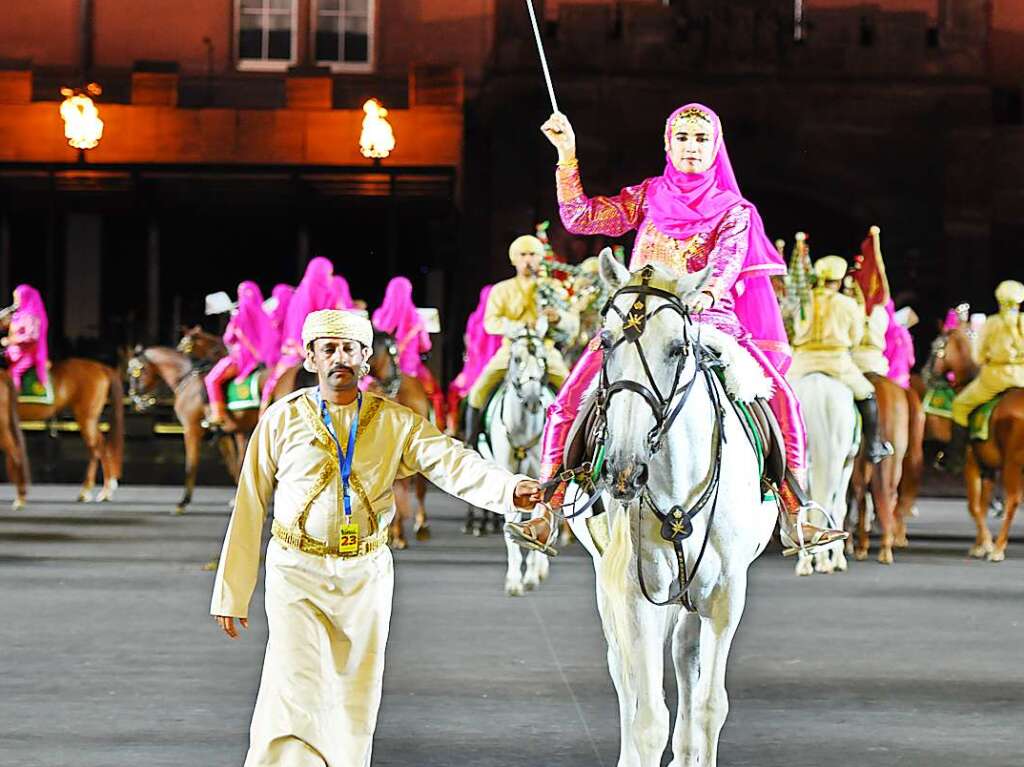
[280,297]
[899,348]
[25,343]
[399,317]
[690,217]
[480,347]
[341,293]
[315,292]
[250,341]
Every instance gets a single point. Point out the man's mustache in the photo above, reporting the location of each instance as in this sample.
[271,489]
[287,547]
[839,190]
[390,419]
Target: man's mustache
[340,368]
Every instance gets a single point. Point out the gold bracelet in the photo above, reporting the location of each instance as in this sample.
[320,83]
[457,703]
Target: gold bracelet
[569,164]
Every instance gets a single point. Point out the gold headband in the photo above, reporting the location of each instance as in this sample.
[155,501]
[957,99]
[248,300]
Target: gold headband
[693,113]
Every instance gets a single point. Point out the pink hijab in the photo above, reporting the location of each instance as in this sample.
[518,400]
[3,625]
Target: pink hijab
[251,322]
[684,204]
[30,305]
[398,316]
[314,293]
[342,294]
[480,346]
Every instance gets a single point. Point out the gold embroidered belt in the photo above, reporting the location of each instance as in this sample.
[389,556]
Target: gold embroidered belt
[812,347]
[318,548]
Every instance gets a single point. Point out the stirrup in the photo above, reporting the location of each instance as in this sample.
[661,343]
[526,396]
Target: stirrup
[822,537]
[524,537]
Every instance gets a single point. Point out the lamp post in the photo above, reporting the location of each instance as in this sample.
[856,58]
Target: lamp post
[377,139]
[83,127]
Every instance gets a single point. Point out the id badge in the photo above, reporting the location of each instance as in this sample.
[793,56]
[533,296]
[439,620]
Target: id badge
[348,539]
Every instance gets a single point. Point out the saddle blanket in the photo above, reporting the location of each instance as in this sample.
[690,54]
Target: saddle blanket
[939,402]
[33,392]
[244,394]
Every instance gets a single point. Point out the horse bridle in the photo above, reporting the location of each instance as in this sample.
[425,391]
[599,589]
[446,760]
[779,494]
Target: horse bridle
[532,343]
[136,366]
[392,384]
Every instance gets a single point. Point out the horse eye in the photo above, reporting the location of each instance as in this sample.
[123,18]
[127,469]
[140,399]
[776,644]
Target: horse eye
[677,349]
[606,339]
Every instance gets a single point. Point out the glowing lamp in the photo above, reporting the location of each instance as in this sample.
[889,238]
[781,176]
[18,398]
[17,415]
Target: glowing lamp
[83,127]
[377,139]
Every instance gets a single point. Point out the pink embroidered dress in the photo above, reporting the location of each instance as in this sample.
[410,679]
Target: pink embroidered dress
[398,316]
[250,341]
[315,292]
[685,222]
[26,339]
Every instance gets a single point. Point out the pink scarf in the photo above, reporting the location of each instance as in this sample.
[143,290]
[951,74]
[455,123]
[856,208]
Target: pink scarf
[314,293]
[682,205]
[283,295]
[480,346]
[30,306]
[398,316]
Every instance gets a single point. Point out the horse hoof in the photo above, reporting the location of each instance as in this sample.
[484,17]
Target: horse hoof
[885,557]
[18,504]
[825,569]
[997,555]
[400,544]
[423,533]
[860,554]
[805,567]
[178,510]
[478,531]
[980,551]
[211,566]
[513,590]
[841,564]
[531,583]
[901,542]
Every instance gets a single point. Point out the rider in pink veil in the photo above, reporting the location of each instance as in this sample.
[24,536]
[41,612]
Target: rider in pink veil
[282,296]
[398,316]
[315,292]
[480,347]
[690,217]
[899,348]
[250,341]
[25,342]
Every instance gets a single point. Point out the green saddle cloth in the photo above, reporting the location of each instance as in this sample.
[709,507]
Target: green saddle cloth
[939,401]
[980,419]
[244,394]
[33,392]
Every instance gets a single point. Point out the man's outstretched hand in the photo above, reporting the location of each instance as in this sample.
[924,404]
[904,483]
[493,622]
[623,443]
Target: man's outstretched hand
[528,494]
[227,624]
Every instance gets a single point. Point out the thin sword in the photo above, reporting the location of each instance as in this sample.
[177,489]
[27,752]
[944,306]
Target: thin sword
[543,58]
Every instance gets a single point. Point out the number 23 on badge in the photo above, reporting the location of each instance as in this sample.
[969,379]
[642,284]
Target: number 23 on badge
[348,539]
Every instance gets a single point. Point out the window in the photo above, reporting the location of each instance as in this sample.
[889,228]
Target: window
[265,33]
[344,34]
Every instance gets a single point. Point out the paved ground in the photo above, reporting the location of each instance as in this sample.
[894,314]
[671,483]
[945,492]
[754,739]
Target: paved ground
[108,658]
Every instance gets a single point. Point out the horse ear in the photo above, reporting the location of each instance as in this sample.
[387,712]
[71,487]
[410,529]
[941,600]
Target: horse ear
[692,283]
[614,274]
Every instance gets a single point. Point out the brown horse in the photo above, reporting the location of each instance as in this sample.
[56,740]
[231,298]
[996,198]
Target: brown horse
[12,442]
[85,387]
[882,480]
[1002,452]
[148,369]
[389,381]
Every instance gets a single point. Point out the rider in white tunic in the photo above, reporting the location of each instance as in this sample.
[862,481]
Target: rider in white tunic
[329,571]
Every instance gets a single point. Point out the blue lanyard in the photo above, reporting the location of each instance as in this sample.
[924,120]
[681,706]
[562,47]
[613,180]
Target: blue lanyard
[344,458]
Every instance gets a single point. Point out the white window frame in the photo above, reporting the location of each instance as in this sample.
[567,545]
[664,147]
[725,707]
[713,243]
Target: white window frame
[371,43]
[266,65]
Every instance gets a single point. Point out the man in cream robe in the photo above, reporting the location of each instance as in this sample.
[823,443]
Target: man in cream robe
[329,579]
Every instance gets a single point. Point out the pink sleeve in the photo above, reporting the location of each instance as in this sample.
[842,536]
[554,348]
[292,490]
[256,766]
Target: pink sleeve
[729,252]
[24,330]
[612,216]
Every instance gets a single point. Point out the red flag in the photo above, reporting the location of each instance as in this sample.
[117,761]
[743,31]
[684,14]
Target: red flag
[869,271]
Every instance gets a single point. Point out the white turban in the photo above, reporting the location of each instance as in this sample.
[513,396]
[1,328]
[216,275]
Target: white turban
[335,323]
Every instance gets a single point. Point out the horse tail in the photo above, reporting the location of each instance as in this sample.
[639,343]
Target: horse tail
[613,575]
[115,438]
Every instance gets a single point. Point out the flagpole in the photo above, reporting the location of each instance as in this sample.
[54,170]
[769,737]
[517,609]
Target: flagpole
[543,57]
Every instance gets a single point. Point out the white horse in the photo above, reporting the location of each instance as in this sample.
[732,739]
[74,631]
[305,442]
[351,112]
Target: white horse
[515,424]
[659,456]
[833,440]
